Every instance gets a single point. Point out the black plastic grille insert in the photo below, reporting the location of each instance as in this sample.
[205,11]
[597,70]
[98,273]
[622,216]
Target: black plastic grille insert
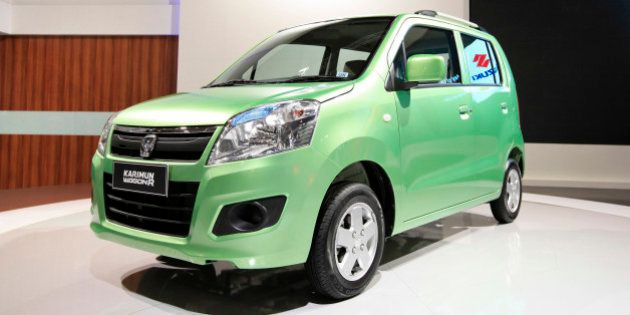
[164,215]
[173,143]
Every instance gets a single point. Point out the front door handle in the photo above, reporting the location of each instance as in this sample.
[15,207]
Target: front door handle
[465,109]
[464,112]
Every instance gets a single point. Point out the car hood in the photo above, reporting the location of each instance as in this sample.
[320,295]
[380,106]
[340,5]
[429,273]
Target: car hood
[214,106]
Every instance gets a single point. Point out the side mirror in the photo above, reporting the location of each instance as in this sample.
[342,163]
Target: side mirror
[426,69]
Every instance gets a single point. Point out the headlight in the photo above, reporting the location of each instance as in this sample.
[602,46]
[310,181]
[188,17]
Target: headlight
[266,130]
[102,142]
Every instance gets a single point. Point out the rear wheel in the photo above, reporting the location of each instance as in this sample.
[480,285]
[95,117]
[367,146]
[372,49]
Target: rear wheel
[348,242]
[506,208]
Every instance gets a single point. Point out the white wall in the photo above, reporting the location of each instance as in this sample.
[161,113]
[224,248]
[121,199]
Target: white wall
[570,165]
[5,17]
[213,34]
[95,19]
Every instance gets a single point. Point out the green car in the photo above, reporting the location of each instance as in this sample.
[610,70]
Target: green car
[315,146]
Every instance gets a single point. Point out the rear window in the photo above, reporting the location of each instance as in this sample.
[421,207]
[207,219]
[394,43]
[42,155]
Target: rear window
[481,60]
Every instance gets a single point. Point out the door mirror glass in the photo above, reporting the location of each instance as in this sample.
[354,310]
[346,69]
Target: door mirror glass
[424,68]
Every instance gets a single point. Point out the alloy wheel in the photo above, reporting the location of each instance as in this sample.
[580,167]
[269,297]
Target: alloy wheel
[356,241]
[512,191]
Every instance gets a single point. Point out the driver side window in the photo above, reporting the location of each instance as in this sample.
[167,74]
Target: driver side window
[429,41]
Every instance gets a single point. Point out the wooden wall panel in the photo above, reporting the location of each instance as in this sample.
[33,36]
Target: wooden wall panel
[34,160]
[74,73]
[85,73]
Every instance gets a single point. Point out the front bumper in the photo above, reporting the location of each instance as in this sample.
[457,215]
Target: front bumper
[302,175]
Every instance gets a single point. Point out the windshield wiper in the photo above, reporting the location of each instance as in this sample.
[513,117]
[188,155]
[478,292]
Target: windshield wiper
[232,83]
[308,78]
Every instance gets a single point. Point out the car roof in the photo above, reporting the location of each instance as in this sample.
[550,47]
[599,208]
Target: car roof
[447,19]
[423,14]
[342,19]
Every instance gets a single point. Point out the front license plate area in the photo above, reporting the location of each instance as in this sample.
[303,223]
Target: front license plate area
[141,178]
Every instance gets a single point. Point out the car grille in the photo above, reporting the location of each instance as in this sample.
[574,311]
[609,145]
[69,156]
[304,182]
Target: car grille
[173,143]
[165,215]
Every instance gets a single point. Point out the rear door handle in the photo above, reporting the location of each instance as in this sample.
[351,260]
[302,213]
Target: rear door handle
[504,108]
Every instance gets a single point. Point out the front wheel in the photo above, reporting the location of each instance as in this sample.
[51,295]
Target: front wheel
[506,208]
[348,242]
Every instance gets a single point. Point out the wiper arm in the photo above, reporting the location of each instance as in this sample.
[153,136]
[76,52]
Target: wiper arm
[309,78]
[231,83]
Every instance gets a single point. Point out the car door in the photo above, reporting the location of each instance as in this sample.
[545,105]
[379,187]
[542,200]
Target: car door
[436,129]
[493,111]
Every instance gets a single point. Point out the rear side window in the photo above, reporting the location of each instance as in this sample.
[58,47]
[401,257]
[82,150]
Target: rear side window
[481,61]
[424,40]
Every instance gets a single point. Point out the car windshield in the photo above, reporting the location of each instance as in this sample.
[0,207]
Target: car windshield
[326,51]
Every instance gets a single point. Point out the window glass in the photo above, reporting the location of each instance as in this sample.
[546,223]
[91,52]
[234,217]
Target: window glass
[351,61]
[481,61]
[424,40]
[400,64]
[247,75]
[288,60]
[324,51]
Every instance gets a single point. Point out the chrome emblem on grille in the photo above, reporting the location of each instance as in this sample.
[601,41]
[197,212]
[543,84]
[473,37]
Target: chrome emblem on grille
[147,145]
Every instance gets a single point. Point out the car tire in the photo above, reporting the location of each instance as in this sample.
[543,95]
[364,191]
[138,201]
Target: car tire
[507,207]
[348,242]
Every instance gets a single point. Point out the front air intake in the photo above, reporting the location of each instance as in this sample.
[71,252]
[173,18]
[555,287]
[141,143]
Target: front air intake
[164,215]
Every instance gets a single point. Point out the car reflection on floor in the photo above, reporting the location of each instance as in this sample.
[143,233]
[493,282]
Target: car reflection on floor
[220,289]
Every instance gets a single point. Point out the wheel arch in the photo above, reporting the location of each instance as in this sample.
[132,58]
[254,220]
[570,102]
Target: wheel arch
[516,155]
[373,175]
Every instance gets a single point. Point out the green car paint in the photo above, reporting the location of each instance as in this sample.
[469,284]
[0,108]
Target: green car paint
[425,68]
[442,148]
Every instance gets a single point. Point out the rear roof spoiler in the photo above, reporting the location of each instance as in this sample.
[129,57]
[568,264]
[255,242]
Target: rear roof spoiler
[449,18]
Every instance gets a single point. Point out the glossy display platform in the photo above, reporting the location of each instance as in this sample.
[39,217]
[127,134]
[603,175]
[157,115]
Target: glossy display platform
[560,256]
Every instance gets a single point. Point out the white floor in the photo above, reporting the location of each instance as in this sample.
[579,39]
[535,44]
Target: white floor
[561,256]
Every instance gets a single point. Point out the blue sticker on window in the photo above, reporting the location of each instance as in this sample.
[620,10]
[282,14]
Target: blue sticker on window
[485,74]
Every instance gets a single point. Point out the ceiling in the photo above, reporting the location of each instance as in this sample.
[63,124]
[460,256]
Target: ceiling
[91,2]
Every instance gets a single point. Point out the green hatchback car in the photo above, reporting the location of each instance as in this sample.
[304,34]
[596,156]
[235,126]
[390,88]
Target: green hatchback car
[315,146]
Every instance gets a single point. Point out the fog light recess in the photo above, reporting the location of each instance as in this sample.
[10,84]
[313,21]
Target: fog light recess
[249,216]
